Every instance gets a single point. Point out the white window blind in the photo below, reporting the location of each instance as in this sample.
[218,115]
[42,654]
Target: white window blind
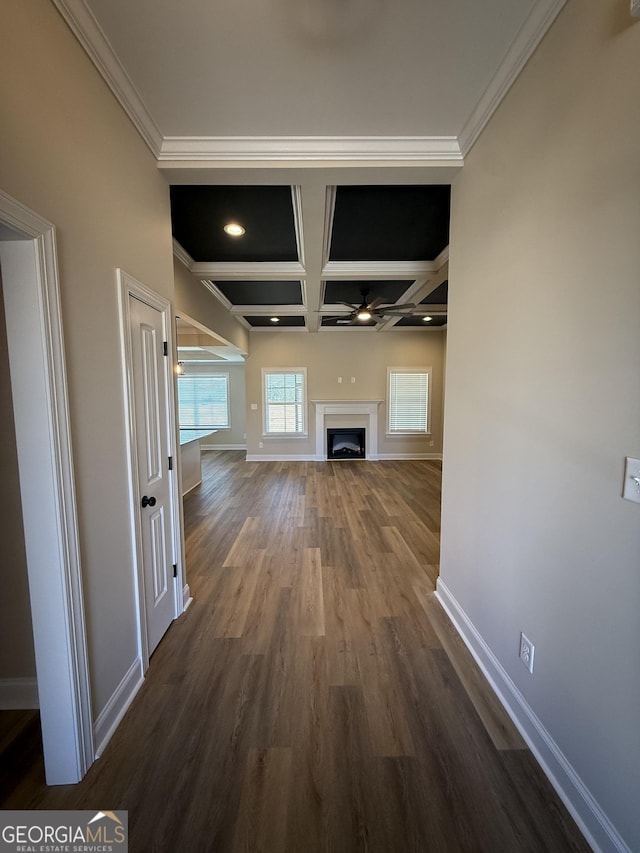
[408,400]
[284,401]
[203,401]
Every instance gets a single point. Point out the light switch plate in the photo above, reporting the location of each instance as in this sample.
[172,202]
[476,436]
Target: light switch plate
[631,487]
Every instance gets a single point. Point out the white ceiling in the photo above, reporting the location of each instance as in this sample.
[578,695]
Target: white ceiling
[311,67]
[416,70]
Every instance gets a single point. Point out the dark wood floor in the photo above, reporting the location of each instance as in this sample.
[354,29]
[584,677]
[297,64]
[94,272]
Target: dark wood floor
[314,697]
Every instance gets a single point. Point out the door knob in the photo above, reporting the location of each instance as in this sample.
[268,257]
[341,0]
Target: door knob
[148,501]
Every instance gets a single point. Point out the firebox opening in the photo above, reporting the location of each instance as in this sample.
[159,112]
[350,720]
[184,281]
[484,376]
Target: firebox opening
[346,443]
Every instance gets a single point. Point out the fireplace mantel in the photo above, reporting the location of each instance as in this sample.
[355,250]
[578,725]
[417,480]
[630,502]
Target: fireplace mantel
[347,407]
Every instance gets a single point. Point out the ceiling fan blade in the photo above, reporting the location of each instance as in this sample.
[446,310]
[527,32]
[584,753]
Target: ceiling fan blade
[349,305]
[403,305]
[379,300]
[394,314]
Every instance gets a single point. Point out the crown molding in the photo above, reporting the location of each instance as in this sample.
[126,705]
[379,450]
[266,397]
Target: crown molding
[219,295]
[529,37]
[83,24]
[401,149]
[182,255]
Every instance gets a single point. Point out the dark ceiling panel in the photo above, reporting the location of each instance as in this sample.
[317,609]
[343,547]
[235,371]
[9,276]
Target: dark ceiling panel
[439,296]
[396,223]
[351,291]
[199,213]
[283,321]
[417,321]
[261,292]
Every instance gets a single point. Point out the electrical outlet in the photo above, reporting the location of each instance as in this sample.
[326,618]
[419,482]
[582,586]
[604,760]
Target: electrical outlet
[631,487]
[527,651]
[261,444]
[339,379]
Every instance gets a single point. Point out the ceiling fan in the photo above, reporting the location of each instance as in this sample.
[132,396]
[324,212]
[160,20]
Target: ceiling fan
[374,310]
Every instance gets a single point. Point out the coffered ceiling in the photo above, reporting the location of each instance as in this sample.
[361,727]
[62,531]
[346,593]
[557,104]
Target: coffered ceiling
[330,129]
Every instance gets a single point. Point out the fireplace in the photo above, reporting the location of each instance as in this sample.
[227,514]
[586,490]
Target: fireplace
[346,443]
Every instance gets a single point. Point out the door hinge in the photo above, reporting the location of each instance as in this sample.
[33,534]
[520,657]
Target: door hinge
[165,347]
[175,570]
[171,463]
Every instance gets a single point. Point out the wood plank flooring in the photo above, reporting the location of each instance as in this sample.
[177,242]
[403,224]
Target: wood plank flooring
[315,697]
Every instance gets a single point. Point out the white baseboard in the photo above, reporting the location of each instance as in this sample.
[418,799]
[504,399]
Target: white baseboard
[400,456]
[222,446]
[186,597]
[281,457]
[303,457]
[111,715]
[18,694]
[593,822]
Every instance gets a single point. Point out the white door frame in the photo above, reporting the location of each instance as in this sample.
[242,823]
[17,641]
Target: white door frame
[43,438]
[127,287]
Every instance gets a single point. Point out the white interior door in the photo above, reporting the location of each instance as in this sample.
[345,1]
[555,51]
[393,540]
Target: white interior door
[152,440]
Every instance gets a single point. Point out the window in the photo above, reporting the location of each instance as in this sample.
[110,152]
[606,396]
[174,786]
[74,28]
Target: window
[203,400]
[408,400]
[285,401]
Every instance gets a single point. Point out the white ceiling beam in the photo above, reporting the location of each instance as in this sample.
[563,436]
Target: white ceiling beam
[268,310]
[378,270]
[250,271]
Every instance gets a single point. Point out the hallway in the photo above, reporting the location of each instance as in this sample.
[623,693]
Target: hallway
[314,697]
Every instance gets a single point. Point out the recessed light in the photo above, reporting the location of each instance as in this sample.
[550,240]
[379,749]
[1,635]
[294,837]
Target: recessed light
[275,319]
[233,229]
[426,319]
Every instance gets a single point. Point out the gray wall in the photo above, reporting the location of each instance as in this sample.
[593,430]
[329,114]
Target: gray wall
[69,152]
[543,399]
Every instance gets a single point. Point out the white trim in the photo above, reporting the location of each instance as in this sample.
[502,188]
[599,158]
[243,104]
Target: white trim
[128,286]
[182,255]
[596,826]
[542,15]
[281,330]
[223,149]
[219,295]
[91,36]
[329,211]
[369,408]
[18,694]
[39,380]
[269,311]
[187,600]
[281,457]
[223,446]
[296,203]
[249,270]
[389,457]
[376,270]
[111,715]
